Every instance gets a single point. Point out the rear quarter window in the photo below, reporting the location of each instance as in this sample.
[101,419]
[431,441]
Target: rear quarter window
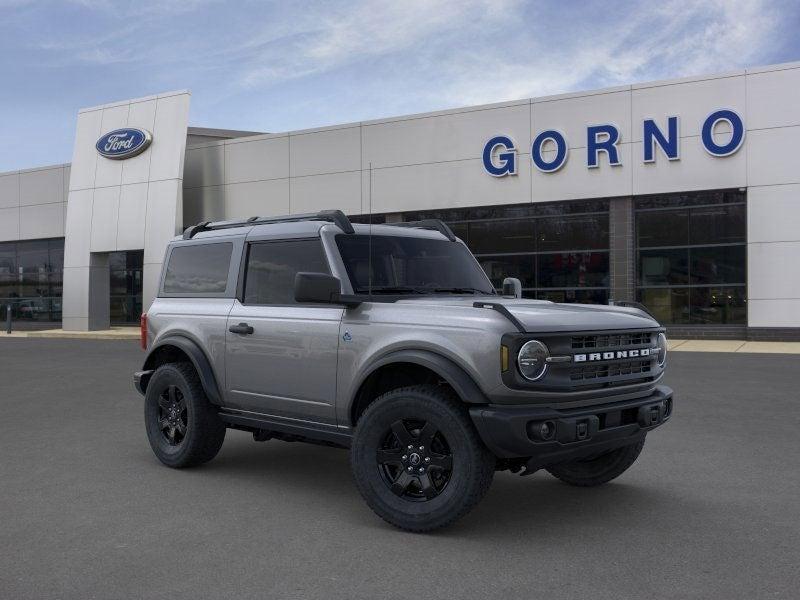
[198,269]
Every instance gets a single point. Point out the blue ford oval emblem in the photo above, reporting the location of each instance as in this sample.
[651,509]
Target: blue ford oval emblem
[123,143]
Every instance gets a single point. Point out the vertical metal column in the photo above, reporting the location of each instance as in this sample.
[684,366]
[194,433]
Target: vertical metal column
[622,252]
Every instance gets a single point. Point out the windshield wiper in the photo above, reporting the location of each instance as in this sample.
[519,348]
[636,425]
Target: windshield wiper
[393,289]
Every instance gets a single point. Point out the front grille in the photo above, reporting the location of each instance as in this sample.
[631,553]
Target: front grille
[611,340]
[605,371]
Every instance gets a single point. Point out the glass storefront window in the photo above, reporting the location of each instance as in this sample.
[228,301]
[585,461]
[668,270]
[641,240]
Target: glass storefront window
[692,257]
[125,270]
[31,274]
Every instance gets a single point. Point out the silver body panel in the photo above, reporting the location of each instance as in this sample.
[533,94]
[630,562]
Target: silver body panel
[307,362]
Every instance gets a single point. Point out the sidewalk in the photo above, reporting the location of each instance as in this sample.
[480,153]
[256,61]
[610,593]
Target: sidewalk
[115,333]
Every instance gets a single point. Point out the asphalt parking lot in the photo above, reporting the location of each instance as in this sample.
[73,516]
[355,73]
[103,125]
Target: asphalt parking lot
[710,510]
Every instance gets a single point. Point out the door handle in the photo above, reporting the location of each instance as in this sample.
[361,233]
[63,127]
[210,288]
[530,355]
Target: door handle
[242,328]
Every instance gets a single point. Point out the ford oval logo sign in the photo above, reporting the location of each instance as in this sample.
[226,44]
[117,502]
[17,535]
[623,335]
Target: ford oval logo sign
[123,143]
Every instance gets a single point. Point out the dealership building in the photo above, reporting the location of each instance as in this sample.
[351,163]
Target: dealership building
[683,195]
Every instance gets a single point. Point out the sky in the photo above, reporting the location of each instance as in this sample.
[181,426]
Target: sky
[278,66]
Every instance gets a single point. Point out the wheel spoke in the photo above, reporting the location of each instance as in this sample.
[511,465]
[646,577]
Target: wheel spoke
[171,390]
[163,424]
[181,427]
[401,483]
[163,403]
[428,489]
[399,429]
[441,461]
[427,434]
[171,433]
[390,457]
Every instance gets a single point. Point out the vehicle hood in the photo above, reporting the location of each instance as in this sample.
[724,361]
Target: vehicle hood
[544,316]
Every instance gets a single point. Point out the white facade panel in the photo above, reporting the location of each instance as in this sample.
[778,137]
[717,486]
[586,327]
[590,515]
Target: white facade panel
[162,222]
[257,160]
[773,272]
[773,99]
[85,157]
[575,180]
[9,224]
[43,186]
[141,115]
[445,137]
[203,204]
[692,101]
[9,190]
[79,218]
[105,216]
[571,115]
[109,172]
[773,214]
[696,170]
[773,156]
[773,313]
[131,216]
[41,221]
[257,198]
[444,185]
[320,192]
[204,166]
[169,137]
[325,151]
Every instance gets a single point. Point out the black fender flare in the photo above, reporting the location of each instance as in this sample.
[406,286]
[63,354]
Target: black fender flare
[198,358]
[463,384]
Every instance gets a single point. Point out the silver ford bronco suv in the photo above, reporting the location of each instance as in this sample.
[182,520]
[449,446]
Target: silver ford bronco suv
[390,340]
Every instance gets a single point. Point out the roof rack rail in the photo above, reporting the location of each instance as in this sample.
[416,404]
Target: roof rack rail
[434,224]
[333,216]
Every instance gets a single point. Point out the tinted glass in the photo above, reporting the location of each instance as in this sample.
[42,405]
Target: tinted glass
[500,267]
[718,264]
[668,305]
[494,237]
[573,233]
[718,306]
[664,267]
[718,225]
[570,296]
[662,228]
[573,269]
[417,264]
[198,269]
[272,266]
[30,279]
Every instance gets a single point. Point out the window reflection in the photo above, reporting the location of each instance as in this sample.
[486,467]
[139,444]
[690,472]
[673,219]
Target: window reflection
[31,274]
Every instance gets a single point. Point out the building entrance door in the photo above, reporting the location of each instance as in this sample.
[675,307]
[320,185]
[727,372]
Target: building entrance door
[125,269]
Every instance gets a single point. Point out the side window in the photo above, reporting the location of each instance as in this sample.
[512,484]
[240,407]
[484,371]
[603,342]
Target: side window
[271,267]
[198,269]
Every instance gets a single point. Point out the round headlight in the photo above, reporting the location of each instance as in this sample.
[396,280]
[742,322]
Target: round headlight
[662,349]
[532,360]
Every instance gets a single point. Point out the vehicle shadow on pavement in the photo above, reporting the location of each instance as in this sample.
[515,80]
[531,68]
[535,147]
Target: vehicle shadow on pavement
[513,506]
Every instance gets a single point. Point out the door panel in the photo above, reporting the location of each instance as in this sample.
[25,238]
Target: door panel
[287,366]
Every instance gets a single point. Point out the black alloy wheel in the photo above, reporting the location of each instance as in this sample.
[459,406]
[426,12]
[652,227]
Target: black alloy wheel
[415,460]
[172,417]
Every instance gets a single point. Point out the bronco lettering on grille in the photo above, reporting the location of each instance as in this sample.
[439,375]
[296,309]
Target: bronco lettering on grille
[595,356]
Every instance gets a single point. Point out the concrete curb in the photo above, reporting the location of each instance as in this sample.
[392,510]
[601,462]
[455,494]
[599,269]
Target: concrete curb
[115,333]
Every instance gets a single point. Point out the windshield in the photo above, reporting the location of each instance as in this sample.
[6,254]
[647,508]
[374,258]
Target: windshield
[411,265]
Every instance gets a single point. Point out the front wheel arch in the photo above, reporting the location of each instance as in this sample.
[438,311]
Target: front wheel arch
[418,363]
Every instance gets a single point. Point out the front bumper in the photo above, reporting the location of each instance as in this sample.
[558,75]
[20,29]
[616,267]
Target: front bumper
[515,431]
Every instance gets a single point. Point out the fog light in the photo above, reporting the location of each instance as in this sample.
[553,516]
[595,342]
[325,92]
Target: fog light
[542,431]
[546,430]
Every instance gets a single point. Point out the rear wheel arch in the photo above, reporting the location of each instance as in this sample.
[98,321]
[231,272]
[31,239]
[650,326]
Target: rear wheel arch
[182,349]
[405,368]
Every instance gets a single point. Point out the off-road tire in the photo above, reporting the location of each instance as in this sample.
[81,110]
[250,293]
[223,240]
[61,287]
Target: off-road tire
[599,470]
[472,465]
[204,430]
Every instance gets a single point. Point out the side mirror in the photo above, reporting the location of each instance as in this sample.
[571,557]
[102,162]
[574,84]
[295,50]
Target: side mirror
[512,287]
[321,288]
